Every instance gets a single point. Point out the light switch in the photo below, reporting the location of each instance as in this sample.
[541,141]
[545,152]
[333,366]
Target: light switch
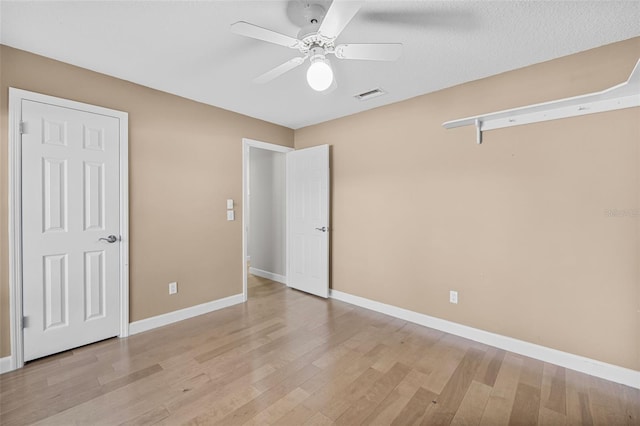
[230,215]
[229,204]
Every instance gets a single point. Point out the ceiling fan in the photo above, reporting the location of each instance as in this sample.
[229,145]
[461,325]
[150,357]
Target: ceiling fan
[316,40]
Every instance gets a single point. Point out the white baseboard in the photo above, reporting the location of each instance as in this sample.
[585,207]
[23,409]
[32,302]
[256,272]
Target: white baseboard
[5,365]
[269,275]
[183,314]
[579,363]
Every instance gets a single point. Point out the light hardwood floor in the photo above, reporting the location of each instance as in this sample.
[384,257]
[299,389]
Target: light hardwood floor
[293,359]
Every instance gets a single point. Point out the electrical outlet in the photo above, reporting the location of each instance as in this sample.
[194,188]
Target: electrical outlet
[173,288]
[453,296]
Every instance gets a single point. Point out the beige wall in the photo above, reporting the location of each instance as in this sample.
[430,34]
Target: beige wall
[185,161]
[517,225]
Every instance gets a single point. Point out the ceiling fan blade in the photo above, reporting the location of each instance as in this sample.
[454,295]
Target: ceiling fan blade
[370,51]
[338,16]
[249,30]
[279,70]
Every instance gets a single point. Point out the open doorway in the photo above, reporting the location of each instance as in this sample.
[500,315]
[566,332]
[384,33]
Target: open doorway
[264,214]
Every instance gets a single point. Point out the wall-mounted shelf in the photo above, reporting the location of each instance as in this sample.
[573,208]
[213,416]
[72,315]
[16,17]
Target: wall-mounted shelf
[623,95]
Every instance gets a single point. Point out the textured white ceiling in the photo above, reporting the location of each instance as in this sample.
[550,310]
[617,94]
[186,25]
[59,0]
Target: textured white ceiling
[186,48]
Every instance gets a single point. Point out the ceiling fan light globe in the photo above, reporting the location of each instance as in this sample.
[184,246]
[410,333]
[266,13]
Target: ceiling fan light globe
[320,75]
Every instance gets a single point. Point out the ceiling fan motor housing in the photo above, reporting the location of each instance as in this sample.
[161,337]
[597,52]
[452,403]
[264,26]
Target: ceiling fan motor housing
[316,53]
[308,33]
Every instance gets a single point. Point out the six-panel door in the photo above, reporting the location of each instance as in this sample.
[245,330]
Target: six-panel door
[70,200]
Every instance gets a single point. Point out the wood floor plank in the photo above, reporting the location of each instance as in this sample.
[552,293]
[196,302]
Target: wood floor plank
[264,400]
[343,371]
[306,354]
[87,365]
[151,417]
[415,409]
[531,372]
[288,358]
[333,356]
[472,405]
[278,409]
[578,404]
[526,405]
[585,409]
[362,407]
[606,407]
[443,360]
[206,356]
[548,417]
[449,400]
[556,399]
[33,412]
[498,408]
[216,399]
[43,391]
[318,419]
[300,414]
[341,381]
[387,410]
[404,349]
[212,412]
[397,400]
[340,401]
[632,407]
[121,405]
[350,364]
[488,371]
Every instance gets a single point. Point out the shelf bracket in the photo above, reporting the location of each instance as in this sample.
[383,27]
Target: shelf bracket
[478,131]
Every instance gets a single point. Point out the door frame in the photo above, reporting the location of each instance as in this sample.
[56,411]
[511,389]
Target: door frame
[246,145]
[16,96]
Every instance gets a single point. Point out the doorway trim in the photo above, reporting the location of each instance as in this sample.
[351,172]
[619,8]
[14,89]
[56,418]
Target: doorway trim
[16,96]
[246,145]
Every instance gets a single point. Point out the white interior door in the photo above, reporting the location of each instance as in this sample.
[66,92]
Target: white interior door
[70,208]
[308,220]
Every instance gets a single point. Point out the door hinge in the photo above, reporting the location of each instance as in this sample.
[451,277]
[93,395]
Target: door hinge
[25,322]
[22,127]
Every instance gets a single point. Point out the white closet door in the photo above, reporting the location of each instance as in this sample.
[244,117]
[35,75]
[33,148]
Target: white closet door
[71,246]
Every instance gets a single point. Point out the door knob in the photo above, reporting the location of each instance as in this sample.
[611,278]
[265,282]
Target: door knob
[323,229]
[109,239]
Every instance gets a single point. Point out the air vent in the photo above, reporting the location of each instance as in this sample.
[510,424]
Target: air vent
[370,94]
